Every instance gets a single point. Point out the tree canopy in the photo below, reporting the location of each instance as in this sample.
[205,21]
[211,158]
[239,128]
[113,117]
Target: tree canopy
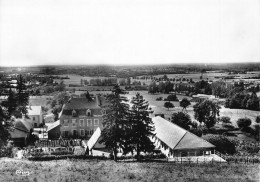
[168,105]
[184,103]
[181,119]
[141,126]
[206,112]
[116,123]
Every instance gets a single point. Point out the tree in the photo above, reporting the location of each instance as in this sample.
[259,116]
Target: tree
[6,123]
[243,122]
[172,97]
[257,119]
[219,88]
[181,119]
[184,103]
[57,102]
[206,112]
[10,103]
[222,143]
[141,126]
[225,119]
[116,122]
[253,102]
[152,88]
[168,105]
[22,97]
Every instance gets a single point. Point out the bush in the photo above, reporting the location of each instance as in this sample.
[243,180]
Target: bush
[257,119]
[159,98]
[243,122]
[225,119]
[172,97]
[222,143]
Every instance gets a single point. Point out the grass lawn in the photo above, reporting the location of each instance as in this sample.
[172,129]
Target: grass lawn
[92,170]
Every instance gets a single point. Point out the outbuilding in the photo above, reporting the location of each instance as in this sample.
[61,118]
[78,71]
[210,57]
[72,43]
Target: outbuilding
[174,141]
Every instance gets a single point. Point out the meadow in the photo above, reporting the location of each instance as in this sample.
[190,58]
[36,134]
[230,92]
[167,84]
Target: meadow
[101,170]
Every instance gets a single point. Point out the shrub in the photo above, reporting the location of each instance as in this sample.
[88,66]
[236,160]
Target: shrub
[257,119]
[243,122]
[225,119]
[172,97]
[159,98]
[222,143]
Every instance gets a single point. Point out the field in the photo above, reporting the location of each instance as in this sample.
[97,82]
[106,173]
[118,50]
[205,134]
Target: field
[93,170]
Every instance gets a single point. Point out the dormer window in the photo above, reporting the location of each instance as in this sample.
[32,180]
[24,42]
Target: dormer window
[74,114]
[88,113]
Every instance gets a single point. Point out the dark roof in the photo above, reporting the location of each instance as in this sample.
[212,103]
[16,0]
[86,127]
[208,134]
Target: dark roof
[176,137]
[80,103]
[22,125]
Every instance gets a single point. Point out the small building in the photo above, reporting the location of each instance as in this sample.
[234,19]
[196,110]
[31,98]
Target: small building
[174,141]
[21,132]
[53,130]
[35,115]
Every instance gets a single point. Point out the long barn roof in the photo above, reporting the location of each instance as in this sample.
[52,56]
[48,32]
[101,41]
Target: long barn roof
[176,137]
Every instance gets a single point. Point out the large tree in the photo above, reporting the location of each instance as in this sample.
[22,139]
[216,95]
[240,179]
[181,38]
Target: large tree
[206,112]
[184,103]
[168,105]
[141,126]
[116,124]
[10,104]
[22,96]
[182,119]
[152,87]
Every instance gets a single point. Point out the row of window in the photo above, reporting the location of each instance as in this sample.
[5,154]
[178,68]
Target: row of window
[81,133]
[81,122]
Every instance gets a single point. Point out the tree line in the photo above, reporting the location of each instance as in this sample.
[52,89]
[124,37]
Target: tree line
[15,105]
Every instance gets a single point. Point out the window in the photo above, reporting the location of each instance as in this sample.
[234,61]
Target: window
[74,122]
[95,122]
[88,112]
[82,132]
[35,124]
[66,122]
[81,122]
[74,114]
[74,132]
[66,133]
[33,118]
[86,132]
[89,122]
[89,132]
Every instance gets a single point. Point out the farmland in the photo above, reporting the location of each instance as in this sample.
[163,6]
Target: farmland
[93,170]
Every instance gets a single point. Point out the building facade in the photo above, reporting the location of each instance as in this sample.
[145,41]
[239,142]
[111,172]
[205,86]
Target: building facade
[35,116]
[80,117]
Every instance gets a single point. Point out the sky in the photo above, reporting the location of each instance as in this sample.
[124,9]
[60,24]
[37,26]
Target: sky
[52,32]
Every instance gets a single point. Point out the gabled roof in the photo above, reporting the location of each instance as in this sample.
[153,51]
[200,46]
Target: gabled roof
[22,125]
[53,125]
[94,138]
[80,103]
[176,137]
[34,110]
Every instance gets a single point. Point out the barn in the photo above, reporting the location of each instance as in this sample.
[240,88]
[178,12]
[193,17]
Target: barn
[174,141]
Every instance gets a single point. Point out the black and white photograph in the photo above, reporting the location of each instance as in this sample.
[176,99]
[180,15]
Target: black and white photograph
[129,90]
